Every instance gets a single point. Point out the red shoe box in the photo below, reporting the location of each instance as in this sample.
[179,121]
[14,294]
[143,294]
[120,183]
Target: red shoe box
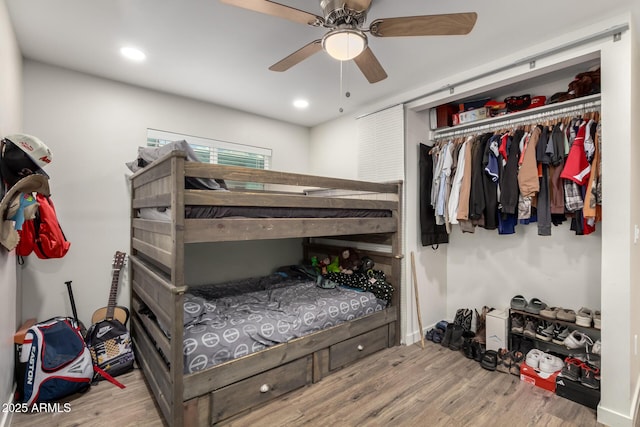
[531,376]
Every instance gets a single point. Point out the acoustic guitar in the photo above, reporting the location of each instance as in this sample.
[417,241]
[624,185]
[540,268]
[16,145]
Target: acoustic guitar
[113,311]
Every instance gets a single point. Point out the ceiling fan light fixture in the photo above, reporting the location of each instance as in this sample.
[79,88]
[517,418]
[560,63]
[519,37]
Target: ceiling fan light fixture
[344,44]
[300,103]
[133,54]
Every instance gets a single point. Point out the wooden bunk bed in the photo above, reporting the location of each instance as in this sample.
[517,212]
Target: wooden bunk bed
[158,281]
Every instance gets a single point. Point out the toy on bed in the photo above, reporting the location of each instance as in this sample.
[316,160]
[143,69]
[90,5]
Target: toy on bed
[349,261]
[326,265]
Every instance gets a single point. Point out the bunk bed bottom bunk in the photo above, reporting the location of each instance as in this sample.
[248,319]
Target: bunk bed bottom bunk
[231,387]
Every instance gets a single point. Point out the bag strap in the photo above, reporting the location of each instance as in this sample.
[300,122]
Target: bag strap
[107,377]
[36,232]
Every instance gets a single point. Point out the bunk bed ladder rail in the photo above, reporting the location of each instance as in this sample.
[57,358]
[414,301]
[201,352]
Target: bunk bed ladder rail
[153,290]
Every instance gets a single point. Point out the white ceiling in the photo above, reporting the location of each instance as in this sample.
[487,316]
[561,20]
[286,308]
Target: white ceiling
[214,52]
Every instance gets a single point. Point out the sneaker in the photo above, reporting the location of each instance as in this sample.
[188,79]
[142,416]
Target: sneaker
[533,358]
[566,314]
[584,317]
[597,347]
[589,377]
[517,323]
[530,327]
[544,331]
[550,312]
[596,319]
[560,333]
[550,363]
[572,369]
[577,339]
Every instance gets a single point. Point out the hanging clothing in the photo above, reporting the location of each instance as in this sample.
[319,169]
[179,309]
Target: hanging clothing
[577,168]
[465,187]
[509,180]
[528,182]
[556,148]
[496,181]
[430,233]
[593,198]
[476,198]
[490,182]
[456,185]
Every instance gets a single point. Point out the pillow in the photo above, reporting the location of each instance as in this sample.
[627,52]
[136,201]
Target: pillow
[147,155]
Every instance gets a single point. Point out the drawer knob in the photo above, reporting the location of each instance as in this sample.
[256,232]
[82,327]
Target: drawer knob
[360,347]
[264,388]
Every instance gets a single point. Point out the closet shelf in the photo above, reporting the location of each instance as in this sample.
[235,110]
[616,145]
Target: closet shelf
[580,105]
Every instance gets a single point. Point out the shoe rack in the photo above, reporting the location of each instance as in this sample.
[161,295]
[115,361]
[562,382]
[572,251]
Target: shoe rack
[549,346]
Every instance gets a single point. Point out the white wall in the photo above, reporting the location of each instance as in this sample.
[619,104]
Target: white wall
[431,264]
[93,126]
[333,150]
[10,122]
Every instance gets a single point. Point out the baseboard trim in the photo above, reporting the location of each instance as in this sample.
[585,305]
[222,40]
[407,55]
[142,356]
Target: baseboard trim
[613,418]
[415,336]
[5,420]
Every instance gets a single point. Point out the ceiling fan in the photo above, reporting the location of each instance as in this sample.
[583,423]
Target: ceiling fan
[347,39]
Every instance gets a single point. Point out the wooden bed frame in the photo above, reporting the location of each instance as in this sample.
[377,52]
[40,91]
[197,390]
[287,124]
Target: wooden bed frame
[158,283]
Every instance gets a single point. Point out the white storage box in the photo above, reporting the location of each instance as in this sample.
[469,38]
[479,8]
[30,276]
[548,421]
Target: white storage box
[497,324]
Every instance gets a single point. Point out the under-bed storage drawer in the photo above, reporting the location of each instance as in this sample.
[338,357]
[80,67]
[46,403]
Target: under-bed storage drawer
[358,347]
[260,388]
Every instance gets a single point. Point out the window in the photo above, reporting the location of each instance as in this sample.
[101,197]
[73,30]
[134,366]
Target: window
[218,152]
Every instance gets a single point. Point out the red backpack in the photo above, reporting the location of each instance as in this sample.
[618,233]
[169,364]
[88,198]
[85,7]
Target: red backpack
[43,234]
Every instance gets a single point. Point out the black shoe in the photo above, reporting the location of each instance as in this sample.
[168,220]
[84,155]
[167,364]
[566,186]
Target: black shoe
[489,360]
[478,350]
[446,339]
[429,335]
[457,338]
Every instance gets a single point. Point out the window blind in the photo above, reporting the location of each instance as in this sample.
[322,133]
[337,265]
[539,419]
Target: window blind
[217,152]
[381,145]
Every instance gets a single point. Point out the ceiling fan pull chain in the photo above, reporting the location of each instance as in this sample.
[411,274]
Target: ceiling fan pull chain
[340,92]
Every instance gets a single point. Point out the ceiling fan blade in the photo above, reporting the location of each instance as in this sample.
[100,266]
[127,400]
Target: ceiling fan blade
[297,56]
[358,5]
[450,24]
[370,67]
[279,10]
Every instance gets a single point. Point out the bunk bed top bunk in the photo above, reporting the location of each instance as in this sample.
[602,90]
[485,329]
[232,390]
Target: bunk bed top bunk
[335,210]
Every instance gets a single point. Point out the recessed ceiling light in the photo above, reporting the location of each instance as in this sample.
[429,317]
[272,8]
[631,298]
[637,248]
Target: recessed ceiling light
[301,103]
[133,53]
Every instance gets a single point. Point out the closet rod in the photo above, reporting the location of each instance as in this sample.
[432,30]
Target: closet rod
[527,116]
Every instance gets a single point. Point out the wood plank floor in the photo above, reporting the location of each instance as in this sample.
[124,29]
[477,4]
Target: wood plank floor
[400,386]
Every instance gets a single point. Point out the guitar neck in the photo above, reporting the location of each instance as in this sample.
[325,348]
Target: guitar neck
[113,293]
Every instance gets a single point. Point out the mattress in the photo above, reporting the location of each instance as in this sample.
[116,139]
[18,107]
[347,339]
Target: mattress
[202,212]
[222,324]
